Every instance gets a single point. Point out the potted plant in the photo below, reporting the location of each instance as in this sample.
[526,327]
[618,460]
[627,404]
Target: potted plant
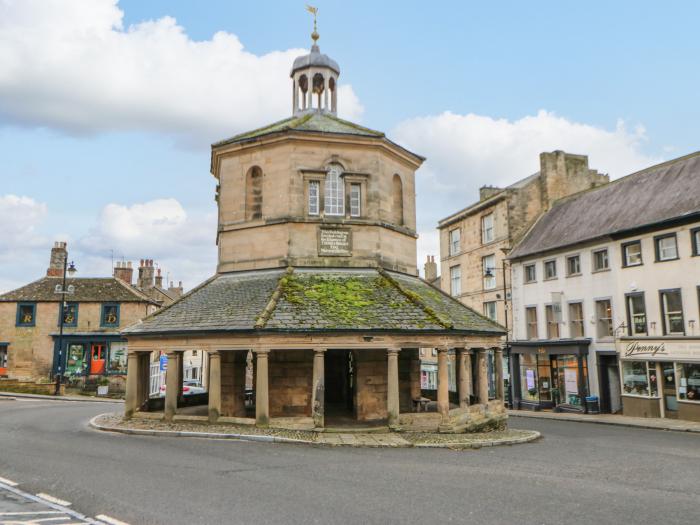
[102,386]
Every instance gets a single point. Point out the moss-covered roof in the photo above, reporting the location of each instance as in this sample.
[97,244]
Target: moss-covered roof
[315,300]
[312,122]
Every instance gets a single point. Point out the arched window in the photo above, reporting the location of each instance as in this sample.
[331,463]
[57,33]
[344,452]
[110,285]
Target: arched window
[253,194]
[397,207]
[335,191]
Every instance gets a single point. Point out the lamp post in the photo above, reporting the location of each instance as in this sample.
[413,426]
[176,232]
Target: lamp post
[489,273]
[63,291]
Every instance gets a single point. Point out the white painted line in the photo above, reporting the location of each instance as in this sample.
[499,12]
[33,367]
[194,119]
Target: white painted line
[111,521]
[35,513]
[8,482]
[51,499]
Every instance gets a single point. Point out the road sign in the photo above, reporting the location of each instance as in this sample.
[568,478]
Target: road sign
[163,363]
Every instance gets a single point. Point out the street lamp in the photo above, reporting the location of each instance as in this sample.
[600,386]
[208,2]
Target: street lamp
[489,274]
[63,291]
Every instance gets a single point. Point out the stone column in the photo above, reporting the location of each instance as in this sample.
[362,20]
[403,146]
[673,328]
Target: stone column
[214,386]
[173,386]
[318,388]
[464,373]
[414,375]
[262,400]
[392,395]
[498,364]
[295,97]
[443,393]
[180,375]
[483,382]
[131,404]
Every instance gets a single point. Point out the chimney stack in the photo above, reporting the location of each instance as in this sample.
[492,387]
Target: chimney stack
[159,279]
[430,269]
[59,254]
[177,290]
[124,271]
[146,274]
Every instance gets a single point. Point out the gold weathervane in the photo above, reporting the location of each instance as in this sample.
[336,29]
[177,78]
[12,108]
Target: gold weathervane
[314,11]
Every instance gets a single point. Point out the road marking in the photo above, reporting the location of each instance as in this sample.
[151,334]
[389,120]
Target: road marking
[111,521]
[8,482]
[51,499]
[42,512]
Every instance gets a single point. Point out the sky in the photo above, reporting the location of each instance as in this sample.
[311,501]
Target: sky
[108,108]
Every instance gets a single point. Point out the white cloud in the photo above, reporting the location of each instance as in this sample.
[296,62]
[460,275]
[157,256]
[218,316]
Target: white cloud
[181,243]
[73,66]
[468,151]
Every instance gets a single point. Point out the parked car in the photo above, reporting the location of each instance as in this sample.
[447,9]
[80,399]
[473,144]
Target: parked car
[189,388]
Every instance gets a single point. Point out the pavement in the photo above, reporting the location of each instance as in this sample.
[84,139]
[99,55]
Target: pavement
[612,419]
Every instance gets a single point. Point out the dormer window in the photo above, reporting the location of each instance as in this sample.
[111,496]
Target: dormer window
[335,192]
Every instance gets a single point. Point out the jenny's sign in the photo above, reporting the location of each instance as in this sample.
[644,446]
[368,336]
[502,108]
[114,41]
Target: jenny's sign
[335,242]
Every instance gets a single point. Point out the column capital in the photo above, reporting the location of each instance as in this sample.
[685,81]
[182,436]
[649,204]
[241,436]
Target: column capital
[320,350]
[261,352]
[214,353]
[443,348]
[392,351]
[482,350]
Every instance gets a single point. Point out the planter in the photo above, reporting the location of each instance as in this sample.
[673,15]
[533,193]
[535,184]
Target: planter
[102,390]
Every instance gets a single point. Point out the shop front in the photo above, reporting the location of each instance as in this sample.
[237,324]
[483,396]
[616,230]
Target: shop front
[550,375]
[84,359]
[660,377]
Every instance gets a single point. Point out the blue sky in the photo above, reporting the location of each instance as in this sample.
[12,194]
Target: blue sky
[107,109]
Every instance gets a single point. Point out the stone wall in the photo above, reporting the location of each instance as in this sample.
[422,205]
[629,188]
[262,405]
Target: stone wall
[233,369]
[291,373]
[30,387]
[371,373]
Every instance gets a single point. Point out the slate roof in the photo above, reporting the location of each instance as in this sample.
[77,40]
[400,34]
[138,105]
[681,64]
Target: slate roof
[649,197]
[87,289]
[311,300]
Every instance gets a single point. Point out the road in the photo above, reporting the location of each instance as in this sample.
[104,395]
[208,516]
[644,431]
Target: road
[578,473]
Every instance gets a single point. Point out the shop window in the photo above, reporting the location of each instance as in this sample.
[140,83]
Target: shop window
[639,378]
[254,193]
[314,197]
[632,253]
[636,314]
[488,264]
[695,241]
[604,319]
[576,328]
[455,281]
[455,239]
[487,234]
[573,265]
[672,312]
[110,315]
[550,269]
[355,199]
[70,314]
[490,310]
[530,273]
[334,192]
[688,381]
[117,358]
[600,260]
[568,380]
[552,316]
[531,319]
[529,390]
[76,360]
[26,314]
[666,247]
[3,360]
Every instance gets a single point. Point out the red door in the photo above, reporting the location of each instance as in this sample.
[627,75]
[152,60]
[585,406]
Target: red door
[97,361]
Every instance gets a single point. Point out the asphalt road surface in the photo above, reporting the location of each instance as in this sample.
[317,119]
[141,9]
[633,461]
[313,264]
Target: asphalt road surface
[578,473]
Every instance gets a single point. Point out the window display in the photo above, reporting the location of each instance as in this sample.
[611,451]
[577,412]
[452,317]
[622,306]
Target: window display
[528,377]
[635,378]
[117,358]
[76,363]
[688,381]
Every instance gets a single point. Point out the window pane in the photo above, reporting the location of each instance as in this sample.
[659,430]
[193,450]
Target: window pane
[696,242]
[576,319]
[454,241]
[76,362]
[600,260]
[314,186]
[574,265]
[637,314]
[673,312]
[455,280]
[528,377]
[635,380]
[552,322]
[110,315]
[604,319]
[530,273]
[550,269]
[26,314]
[488,264]
[117,358]
[531,319]
[487,228]
[689,381]
[667,248]
[335,192]
[633,254]
[490,310]
[354,200]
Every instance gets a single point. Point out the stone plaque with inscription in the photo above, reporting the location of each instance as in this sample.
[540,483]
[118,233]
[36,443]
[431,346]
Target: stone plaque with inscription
[335,242]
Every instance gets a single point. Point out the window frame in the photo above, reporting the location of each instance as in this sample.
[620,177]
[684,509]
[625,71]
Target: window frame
[657,249]
[664,313]
[492,229]
[495,310]
[576,256]
[75,322]
[451,241]
[528,324]
[334,200]
[544,270]
[355,186]
[695,242]
[606,251]
[630,314]
[571,321]
[534,271]
[316,183]
[18,323]
[549,307]
[624,247]
[103,306]
[484,269]
[4,361]
[108,360]
[598,319]
[458,268]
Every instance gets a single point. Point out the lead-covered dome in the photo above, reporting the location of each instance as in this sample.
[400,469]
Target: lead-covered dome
[314,59]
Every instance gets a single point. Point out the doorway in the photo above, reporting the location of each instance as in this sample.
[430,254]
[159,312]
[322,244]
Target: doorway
[668,393]
[610,388]
[98,359]
[339,378]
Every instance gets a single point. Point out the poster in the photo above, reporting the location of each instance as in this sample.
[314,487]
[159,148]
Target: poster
[571,380]
[530,379]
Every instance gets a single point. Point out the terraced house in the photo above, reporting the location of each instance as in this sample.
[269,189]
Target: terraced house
[317,276]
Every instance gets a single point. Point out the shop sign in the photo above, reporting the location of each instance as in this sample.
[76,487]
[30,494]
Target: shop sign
[659,349]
